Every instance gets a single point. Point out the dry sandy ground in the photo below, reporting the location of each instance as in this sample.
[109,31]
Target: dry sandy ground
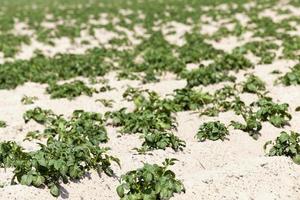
[233,169]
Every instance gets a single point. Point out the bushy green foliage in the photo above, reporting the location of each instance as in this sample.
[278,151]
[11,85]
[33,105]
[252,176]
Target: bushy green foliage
[48,70]
[10,44]
[161,140]
[106,102]
[69,90]
[292,77]
[252,124]
[291,45]
[150,182]
[214,130]
[151,113]
[286,145]
[218,71]
[276,114]
[262,49]
[233,61]
[224,99]
[253,84]
[156,56]
[152,118]
[39,115]
[72,149]
[196,49]
[189,99]
[206,76]
[26,100]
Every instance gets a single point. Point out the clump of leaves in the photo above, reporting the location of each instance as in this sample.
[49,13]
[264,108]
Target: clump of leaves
[156,55]
[150,182]
[72,149]
[286,145]
[292,77]
[224,99]
[10,43]
[234,61]
[42,69]
[262,49]
[132,93]
[69,90]
[188,99]
[276,114]
[2,124]
[218,71]
[39,115]
[206,76]
[253,84]
[161,140]
[214,130]
[33,135]
[291,46]
[196,49]
[106,102]
[151,113]
[152,118]
[252,125]
[26,100]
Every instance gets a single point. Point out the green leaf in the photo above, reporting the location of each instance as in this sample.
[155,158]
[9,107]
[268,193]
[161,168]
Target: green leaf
[120,191]
[26,179]
[296,159]
[38,181]
[54,190]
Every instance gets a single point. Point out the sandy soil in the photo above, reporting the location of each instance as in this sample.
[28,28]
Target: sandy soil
[233,169]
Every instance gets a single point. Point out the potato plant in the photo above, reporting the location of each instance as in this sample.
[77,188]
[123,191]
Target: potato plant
[26,100]
[253,84]
[69,90]
[214,130]
[39,115]
[287,144]
[71,150]
[161,140]
[292,77]
[152,181]
[276,114]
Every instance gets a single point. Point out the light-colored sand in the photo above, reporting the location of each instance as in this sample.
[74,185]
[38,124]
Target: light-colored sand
[233,169]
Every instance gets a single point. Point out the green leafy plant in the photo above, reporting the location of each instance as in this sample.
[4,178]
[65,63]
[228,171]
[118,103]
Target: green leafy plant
[188,99]
[212,131]
[206,76]
[196,49]
[285,145]
[150,182]
[252,125]
[34,135]
[151,113]
[10,43]
[161,140]
[106,102]
[253,84]
[276,114]
[39,115]
[49,70]
[224,99]
[26,100]
[69,90]
[2,124]
[72,149]
[57,161]
[265,50]
[292,77]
